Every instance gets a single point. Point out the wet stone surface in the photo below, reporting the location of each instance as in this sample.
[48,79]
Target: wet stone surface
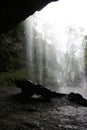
[57,114]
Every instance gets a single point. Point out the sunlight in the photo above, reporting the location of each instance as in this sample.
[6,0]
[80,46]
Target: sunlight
[55,40]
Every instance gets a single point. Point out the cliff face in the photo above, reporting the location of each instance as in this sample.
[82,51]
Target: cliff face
[12,49]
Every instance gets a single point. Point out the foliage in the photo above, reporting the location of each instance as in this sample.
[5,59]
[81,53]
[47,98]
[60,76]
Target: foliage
[12,56]
[12,45]
[7,78]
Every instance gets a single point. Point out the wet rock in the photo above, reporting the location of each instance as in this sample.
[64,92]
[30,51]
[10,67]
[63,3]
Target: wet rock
[77,98]
[29,89]
[32,123]
[59,114]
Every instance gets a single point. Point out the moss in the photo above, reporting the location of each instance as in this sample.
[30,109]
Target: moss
[12,49]
[7,78]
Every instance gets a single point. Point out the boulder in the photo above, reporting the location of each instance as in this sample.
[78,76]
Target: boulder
[29,89]
[77,98]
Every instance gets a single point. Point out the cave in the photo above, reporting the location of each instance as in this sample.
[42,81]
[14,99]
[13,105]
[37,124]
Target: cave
[13,12]
[50,91]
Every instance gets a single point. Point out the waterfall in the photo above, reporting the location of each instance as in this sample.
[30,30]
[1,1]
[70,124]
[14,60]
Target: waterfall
[56,46]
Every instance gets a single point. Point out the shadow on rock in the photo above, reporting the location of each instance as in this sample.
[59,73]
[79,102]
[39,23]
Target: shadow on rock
[78,99]
[23,98]
[29,89]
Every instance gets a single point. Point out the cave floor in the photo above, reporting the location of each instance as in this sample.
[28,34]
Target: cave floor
[36,114]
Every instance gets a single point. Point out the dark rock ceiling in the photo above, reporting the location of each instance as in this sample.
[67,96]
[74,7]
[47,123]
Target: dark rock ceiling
[14,11]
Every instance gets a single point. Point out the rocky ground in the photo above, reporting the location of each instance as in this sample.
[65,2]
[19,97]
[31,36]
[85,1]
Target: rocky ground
[57,114]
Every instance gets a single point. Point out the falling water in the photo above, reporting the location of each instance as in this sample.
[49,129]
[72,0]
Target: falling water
[56,48]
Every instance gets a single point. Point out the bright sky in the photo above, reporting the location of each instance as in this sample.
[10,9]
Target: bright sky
[54,20]
[65,12]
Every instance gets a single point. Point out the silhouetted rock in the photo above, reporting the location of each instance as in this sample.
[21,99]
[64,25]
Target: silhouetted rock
[32,123]
[29,88]
[77,98]
[11,13]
